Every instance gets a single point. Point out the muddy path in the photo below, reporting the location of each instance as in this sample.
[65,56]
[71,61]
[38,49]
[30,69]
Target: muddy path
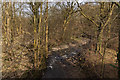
[63,62]
[59,67]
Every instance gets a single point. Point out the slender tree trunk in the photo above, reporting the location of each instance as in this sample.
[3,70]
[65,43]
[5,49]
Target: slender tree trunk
[103,62]
[66,22]
[65,25]
[118,55]
[8,13]
[20,27]
[39,37]
[4,22]
[99,43]
[46,40]
[35,46]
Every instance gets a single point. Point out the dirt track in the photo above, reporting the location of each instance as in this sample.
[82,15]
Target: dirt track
[59,66]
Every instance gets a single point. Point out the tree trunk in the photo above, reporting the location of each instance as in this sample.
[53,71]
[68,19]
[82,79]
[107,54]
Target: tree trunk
[118,55]
[46,31]
[40,53]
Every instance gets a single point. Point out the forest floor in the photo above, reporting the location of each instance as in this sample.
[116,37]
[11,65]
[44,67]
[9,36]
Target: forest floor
[70,60]
[75,60]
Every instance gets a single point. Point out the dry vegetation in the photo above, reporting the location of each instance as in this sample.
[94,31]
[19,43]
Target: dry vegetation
[34,31]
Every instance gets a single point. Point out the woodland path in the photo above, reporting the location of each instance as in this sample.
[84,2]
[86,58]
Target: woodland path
[58,65]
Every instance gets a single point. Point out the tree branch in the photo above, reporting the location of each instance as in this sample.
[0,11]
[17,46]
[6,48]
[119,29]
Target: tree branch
[86,15]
